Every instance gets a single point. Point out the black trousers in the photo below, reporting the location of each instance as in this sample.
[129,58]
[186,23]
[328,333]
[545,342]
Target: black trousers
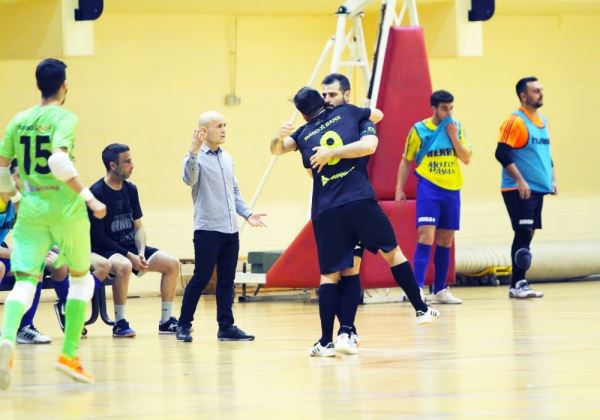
[212,248]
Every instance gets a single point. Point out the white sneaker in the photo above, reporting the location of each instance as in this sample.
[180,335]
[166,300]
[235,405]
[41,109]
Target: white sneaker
[30,335]
[427,317]
[6,362]
[344,345]
[522,291]
[444,296]
[322,351]
[354,341]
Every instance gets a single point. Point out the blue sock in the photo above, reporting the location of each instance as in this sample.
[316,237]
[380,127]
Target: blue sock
[441,261]
[97,282]
[61,288]
[28,316]
[328,306]
[421,262]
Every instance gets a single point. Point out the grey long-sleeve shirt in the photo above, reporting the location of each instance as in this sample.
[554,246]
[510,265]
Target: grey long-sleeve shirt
[215,191]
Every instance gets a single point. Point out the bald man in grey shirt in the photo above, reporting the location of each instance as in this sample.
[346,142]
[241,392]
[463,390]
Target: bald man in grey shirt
[208,169]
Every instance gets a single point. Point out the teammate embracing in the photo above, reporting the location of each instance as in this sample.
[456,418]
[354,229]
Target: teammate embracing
[344,208]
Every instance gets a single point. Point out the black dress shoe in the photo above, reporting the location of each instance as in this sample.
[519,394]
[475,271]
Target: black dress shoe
[233,333]
[183,334]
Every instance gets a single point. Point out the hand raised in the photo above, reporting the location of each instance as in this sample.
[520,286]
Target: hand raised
[452,130]
[285,130]
[198,138]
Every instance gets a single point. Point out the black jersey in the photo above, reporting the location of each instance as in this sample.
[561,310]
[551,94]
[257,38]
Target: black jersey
[342,180]
[115,232]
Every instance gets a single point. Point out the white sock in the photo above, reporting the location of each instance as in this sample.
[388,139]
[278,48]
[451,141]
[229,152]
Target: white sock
[119,312]
[166,312]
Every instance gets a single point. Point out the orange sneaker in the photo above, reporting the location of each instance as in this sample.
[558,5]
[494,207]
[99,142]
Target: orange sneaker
[7,352]
[72,367]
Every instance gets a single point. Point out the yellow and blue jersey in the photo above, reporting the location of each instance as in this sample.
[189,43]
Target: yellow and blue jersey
[439,165]
[8,216]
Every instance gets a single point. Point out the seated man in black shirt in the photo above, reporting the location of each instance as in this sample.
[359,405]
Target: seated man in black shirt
[120,237]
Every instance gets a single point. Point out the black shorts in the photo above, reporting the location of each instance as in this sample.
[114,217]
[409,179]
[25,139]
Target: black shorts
[340,229]
[524,214]
[148,253]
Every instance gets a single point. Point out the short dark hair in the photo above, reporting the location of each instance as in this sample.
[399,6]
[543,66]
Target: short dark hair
[111,154]
[50,75]
[308,101]
[522,85]
[441,96]
[337,77]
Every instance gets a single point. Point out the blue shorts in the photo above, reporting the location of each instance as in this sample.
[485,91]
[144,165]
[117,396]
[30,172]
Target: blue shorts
[340,229]
[437,206]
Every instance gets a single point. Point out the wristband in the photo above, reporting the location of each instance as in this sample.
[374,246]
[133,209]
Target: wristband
[7,184]
[16,198]
[86,194]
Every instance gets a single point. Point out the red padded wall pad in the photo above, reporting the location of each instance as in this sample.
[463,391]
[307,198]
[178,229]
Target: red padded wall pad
[298,266]
[404,99]
[374,271]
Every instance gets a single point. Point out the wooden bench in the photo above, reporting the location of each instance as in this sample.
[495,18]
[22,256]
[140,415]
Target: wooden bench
[242,278]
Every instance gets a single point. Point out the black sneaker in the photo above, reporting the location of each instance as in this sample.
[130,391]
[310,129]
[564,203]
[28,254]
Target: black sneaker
[233,333]
[59,310]
[168,327]
[122,329]
[183,334]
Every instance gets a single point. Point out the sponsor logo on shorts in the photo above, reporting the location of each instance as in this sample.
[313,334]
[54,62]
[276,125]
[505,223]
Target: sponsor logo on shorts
[526,222]
[426,219]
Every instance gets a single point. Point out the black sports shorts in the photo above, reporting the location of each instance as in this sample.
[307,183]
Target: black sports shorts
[338,230]
[524,214]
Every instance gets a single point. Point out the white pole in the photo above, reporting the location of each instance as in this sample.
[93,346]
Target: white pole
[400,17]
[265,176]
[412,12]
[340,39]
[330,42]
[388,18]
[362,49]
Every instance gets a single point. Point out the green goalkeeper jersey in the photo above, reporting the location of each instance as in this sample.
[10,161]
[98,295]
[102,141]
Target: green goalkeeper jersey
[30,137]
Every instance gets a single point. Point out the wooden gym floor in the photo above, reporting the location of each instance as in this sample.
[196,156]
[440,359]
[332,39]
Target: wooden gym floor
[489,358]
